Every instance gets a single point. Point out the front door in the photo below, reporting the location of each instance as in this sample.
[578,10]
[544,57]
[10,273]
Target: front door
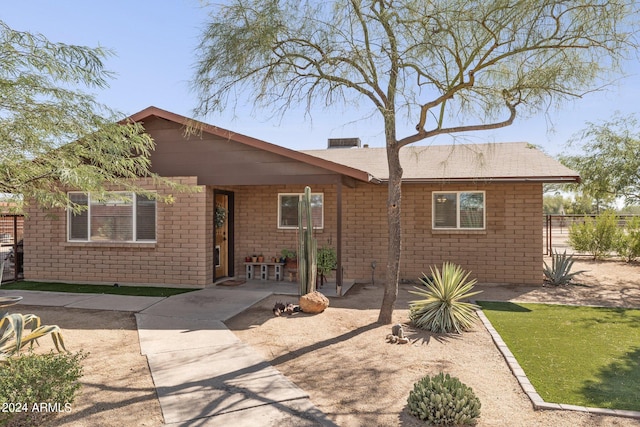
[223,234]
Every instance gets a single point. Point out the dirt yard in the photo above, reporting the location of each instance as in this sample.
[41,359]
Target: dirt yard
[340,357]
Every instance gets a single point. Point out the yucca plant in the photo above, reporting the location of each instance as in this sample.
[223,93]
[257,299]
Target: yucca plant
[443,310]
[559,273]
[15,333]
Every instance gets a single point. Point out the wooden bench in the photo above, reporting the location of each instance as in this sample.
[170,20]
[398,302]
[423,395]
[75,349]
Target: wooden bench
[252,269]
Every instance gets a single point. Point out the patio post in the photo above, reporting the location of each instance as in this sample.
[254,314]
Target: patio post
[339,236]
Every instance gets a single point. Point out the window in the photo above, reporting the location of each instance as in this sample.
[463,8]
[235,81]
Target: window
[459,210]
[288,210]
[123,217]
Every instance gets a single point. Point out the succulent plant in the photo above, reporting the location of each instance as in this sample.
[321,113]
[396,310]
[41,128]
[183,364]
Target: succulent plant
[559,273]
[443,400]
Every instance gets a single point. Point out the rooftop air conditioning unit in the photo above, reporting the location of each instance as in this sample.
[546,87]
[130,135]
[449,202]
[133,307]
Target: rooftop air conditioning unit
[343,142]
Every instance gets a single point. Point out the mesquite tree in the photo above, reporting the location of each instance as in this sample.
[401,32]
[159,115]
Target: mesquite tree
[428,67]
[54,134]
[608,159]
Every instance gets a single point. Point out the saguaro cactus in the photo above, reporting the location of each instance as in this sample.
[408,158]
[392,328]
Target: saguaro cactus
[307,246]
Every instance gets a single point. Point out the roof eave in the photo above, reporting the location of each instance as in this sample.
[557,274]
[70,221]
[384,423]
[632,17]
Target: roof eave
[489,180]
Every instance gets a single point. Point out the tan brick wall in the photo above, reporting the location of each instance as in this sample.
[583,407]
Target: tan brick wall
[256,219]
[181,255]
[509,251]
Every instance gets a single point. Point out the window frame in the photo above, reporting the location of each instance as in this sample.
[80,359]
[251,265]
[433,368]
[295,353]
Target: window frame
[295,227]
[134,219]
[458,227]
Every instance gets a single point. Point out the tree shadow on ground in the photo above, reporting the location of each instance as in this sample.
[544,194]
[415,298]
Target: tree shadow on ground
[617,385]
[322,344]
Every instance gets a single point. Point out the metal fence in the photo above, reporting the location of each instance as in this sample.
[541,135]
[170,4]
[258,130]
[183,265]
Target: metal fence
[556,231]
[11,249]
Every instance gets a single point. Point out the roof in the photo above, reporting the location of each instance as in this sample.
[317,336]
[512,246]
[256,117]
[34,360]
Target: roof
[197,126]
[494,162]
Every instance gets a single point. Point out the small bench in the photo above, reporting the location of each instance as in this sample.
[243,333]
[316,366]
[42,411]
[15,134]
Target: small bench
[264,267]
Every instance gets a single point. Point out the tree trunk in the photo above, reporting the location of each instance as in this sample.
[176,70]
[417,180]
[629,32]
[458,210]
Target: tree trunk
[394,200]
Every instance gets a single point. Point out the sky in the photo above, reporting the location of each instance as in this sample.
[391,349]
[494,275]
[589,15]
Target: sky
[155,42]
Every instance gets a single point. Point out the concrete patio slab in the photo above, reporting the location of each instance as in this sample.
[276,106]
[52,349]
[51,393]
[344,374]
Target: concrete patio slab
[286,288]
[213,303]
[160,334]
[54,299]
[87,301]
[116,302]
[210,381]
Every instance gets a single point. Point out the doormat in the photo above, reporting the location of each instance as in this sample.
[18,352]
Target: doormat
[231,283]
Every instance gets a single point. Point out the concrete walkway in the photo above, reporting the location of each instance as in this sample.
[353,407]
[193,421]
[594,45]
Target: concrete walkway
[203,374]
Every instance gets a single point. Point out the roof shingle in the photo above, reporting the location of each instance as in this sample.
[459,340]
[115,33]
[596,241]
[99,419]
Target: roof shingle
[516,161]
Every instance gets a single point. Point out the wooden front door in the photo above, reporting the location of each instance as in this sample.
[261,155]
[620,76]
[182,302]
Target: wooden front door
[223,234]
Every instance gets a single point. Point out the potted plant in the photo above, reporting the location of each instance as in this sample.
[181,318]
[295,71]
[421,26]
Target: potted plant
[327,261]
[289,258]
[254,258]
[260,258]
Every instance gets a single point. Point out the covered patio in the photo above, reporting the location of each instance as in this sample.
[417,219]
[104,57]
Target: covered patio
[231,166]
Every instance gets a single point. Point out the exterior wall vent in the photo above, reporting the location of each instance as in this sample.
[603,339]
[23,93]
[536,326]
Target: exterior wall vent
[343,142]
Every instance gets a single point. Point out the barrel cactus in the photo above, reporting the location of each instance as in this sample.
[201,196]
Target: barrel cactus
[443,400]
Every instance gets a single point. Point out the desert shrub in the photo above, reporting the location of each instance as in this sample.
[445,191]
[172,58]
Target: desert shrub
[596,237]
[628,243]
[32,380]
[442,309]
[559,273]
[443,400]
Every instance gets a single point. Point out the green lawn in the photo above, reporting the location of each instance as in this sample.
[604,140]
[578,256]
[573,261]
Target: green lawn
[575,355]
[96,289]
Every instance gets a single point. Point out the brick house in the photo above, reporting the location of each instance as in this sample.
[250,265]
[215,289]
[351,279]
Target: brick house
[478,205]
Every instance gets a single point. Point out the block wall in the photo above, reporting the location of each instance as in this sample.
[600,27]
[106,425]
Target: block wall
[508,251]
[181,256]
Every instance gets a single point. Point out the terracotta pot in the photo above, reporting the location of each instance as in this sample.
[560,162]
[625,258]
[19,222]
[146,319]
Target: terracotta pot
[292,263]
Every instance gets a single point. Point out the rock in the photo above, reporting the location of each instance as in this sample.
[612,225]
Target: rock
[313,303]
[397,330]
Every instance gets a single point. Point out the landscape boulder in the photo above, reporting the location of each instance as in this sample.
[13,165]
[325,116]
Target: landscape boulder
[313,302]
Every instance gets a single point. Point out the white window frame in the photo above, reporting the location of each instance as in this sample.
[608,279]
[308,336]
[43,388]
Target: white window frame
[295,227]
[458,193]
[125,194]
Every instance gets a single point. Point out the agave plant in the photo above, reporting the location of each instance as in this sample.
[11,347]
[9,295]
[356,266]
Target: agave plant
[443,310]
[15,333]
[560,271]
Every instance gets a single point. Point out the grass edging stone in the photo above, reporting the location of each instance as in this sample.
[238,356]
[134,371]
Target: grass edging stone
[536,400]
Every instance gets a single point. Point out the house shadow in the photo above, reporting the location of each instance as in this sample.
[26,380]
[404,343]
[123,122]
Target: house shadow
[502,306]
[617,385]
